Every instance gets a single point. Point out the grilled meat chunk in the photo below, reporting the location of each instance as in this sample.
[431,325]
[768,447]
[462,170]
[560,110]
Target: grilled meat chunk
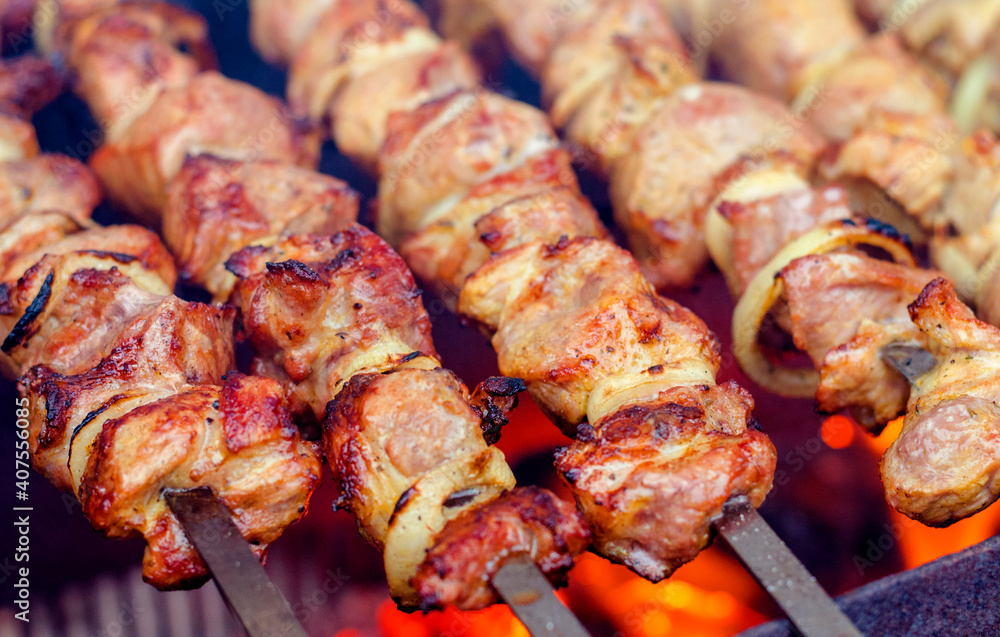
[321,309]
[152,432]
[436,153]
[340,319]
[47,182]
[576,319]
[945,465]
[802,41]
[843,308]
[122,57]
[663,186]
[652,477]
[210,114]
[217,206]
[354,76]
[527,521]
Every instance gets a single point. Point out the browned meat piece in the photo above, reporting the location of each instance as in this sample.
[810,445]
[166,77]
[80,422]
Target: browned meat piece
[278,28]
[762,212]
[217,206]
[843,309]
[781,48]
[610,71]
[125,245]
[876,76]
[27,84]
[209,115]
[531,28]
[426,488]
[68,312]
[103,325]
[436,153]
[355,77]
[321,309]
[122,57]
[379,446]
[539,199]
[340,319]
[525,521]
[29,234]
[971,208]
[652,477]
[662,187]
[945,465]
[575,319]
[48,182]
[593,341]
[151,431]
[361,109]
[907,157]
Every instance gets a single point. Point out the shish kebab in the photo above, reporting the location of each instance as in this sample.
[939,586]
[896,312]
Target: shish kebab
[90,324]
[631,372]
[370,323]
[665,140]
[764,202]
[882,101]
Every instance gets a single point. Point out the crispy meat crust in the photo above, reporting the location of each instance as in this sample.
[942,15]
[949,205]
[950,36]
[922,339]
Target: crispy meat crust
[572,315]
[319,309]
[525,521]
[431,467]
[844,308]
[123,339]
[217,206]
[123,56]
[662,187]
[210,114]
[651,478]
[436,153]
[47,182]
[945,465]
[539,200]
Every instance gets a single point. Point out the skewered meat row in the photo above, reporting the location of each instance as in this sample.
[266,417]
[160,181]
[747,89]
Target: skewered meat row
[886,109]
[332,317]
[125,385]
[957,39]
[895,149]
[841,308]
[478,195]
[341,317]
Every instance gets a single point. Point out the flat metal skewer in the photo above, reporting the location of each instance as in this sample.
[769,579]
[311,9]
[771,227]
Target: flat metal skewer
[531,598]
[780,573]
[241,579]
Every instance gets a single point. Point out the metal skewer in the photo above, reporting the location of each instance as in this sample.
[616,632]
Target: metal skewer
[780,573]
[531,598]
[244,584]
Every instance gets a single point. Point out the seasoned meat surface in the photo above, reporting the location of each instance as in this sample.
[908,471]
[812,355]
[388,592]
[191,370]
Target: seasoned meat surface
[945,465]
[651,478]
[217,206]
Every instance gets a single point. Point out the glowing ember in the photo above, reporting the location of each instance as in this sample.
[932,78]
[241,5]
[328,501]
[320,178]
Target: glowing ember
[837,432]
[712,595]
[497,621]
